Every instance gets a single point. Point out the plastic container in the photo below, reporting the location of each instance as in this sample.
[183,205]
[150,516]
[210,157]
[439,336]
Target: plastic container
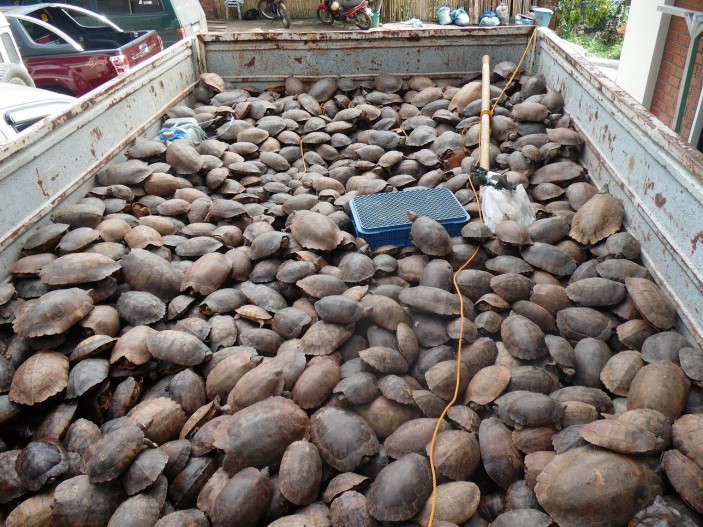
[522,20]
[375,19]
[542,16]
[381,219]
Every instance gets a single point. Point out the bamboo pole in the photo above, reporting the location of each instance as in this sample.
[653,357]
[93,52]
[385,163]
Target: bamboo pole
[485,117]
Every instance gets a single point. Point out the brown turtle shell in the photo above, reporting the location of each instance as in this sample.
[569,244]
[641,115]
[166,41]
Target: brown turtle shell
[40,461]
[144,470]
[137,511]
[400,489]
[344,482]
[522,338]
[412,436]
[39,377]
[686,478]
[652,304]
[281,419]
[661,386]
[177,347]
[316,382]
[686,432]
[112,453]
[456,503]
[501,459]
[53,313]
[342,437]
[80,503]
[622,486]
[619,436]
[549,258]
[456,454]
[597,219]
[620,370]
[145,271]
[487,385]
[300,473]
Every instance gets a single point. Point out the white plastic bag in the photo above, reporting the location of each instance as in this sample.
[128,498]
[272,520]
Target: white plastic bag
[497,204]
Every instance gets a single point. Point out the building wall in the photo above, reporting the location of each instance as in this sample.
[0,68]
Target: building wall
[671,72]
[209,8]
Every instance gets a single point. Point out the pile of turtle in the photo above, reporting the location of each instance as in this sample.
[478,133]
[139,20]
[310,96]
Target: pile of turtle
[203,341]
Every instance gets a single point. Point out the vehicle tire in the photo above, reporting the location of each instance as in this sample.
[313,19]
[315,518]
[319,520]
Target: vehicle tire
[325,16]
[15,74]
[283,13]
[266,10]
[362,20]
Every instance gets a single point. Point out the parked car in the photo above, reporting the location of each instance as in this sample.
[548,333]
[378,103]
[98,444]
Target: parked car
[11,67]
[69,57]
[23,106]
[173,20]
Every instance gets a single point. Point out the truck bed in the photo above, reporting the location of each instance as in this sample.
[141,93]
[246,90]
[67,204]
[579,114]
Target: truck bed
[658,176]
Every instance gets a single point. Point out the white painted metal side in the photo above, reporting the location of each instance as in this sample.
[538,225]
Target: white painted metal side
[55,163]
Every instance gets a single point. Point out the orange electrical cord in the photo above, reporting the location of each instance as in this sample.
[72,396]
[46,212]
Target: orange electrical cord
[433,510]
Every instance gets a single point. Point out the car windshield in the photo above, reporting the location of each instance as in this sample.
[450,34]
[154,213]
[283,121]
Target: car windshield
[22,118]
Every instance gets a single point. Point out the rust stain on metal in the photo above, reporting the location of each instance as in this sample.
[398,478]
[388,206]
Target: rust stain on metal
[631,164]
[40,184]
[694,241]
[648,185]
[97,133]
[299,60]
[250,63]
[659,200]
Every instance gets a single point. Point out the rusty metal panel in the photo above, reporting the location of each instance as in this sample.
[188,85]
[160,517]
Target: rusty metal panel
[54,164]
[259,59]
[654,171]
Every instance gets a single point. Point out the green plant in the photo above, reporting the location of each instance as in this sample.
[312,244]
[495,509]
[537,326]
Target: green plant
[603,20]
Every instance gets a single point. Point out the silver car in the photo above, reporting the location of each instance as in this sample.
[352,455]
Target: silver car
[23,106]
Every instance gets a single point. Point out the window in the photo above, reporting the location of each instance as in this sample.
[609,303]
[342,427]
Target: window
[113,7]
[9,46]
[39,34]
[147,6]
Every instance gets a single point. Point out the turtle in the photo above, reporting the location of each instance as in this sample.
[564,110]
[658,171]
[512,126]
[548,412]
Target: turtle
[300,473]
[105,459]
[39,462]
[161,418]
[138,307]
[140,509]
[561,481]
[394,499]
[486,385]
[178,347]
[86,375]
[207,274]
[30,385]
[316,382]
[597,219]
[79,502]
[501,459]
[429,236]
[53,313]
[339,309]
[456,503]
[651,302]
[145,271]
[313,230]
[647,392]
[245,498]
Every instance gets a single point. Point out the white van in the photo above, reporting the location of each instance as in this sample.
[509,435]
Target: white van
[12,69]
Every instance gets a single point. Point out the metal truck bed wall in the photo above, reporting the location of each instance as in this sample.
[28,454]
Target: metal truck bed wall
[659,177]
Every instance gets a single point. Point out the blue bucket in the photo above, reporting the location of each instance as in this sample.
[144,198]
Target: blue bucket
[542,16]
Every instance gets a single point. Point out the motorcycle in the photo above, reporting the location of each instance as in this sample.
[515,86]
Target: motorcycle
[271,9]
[356,11]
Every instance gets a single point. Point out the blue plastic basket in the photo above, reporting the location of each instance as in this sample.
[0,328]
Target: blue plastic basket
[381,219]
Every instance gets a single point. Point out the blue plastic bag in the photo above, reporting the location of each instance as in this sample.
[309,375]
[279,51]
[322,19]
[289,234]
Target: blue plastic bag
[443,17]
[459,17]
[489,21]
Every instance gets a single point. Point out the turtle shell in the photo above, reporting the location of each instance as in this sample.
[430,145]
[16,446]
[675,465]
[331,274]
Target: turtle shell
[144,470]
[597,219]
[429,236]
[137,510]
[501,459]
[313,230]
[562,491]
[342,437]
[145,271]
[140,308]
[53,313]
[619,436]
[105,459]
[652,304]
[80,503]
[86,375]
[400,489]
[41,376]
[300,473]
[339,309]
[40,461]
[178,347]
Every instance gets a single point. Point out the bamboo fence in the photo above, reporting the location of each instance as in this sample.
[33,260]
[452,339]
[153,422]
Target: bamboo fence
[399,10]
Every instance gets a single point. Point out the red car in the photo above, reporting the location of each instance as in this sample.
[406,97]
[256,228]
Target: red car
[71,50]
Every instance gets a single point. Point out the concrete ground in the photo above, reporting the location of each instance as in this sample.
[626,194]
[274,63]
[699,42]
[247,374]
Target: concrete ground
[607,66]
